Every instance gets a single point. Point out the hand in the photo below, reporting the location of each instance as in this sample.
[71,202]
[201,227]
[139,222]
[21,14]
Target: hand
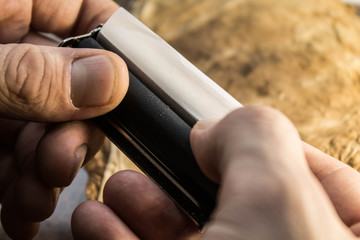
[273,186]
[44,93]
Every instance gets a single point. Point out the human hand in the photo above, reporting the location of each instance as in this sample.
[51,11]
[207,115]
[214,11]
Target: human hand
[44,93]
[273,186]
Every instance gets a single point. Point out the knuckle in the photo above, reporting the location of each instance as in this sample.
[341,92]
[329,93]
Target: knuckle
[26,81]
[265,114]
[253,131]
[260,117]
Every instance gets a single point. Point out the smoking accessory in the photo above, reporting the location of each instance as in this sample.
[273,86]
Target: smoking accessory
[167,95]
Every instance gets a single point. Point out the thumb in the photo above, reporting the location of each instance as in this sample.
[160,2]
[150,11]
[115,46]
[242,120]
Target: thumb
[202,146]
[51,84]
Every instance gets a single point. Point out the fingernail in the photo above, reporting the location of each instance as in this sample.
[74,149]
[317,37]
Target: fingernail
[80,155]
[93,81]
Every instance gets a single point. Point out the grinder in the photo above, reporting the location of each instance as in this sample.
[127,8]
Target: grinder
[167,95]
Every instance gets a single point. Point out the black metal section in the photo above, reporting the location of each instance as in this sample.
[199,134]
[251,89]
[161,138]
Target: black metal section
[157,142]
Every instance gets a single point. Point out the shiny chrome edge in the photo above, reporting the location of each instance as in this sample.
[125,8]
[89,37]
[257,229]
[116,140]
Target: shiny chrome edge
[173,78]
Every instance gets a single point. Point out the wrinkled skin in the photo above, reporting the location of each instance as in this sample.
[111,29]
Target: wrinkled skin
[44,140]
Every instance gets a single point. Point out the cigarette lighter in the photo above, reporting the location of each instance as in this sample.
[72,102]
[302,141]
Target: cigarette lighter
[167,95]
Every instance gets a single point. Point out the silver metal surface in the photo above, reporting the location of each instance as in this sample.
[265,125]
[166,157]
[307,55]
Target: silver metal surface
[168,73]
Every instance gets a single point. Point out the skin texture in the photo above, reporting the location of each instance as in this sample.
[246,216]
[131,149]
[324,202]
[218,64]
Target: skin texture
[273,186]
[45,94]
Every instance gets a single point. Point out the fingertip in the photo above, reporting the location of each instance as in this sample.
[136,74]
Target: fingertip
[64,149]
[320,163]
[122,78]
[57,166]
[145,208]
[201,143]
[94,220]
[120,182]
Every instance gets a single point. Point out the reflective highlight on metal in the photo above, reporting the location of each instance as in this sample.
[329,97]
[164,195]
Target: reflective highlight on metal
[166,72]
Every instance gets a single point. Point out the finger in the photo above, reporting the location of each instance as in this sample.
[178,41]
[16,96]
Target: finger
[56,84]
[341,182]
[63,150]
[13,220]
[239,134]
[147,210]
[70,17]
[64,18]
[15,18]
[34,199]
[263,174]
[93,220]
[199,134]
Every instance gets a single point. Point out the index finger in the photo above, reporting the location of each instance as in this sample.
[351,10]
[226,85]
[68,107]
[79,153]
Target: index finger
[341,182]
[70,17]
